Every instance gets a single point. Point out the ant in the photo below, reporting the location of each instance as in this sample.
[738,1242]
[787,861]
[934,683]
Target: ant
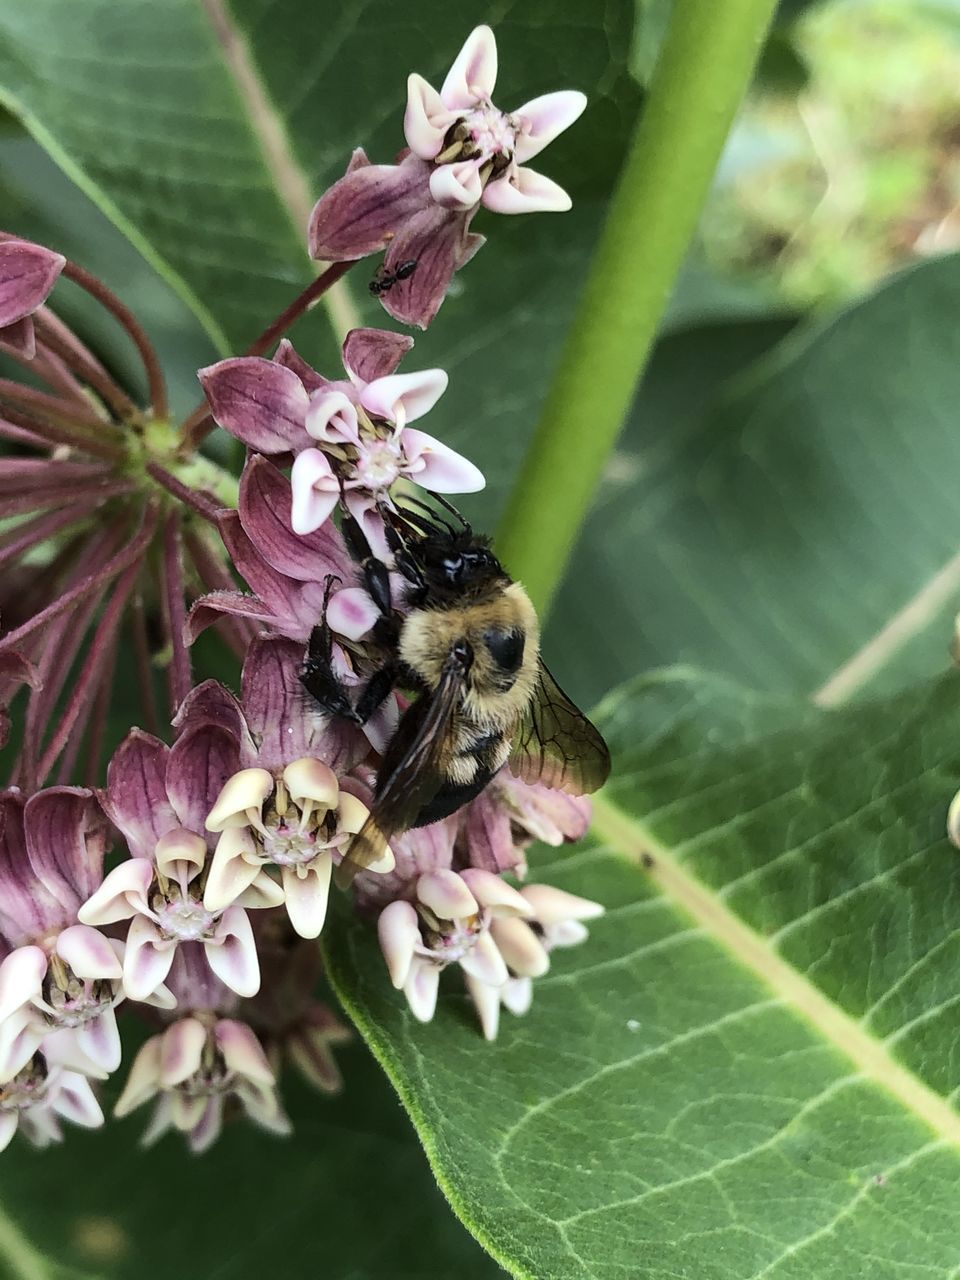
[384,281]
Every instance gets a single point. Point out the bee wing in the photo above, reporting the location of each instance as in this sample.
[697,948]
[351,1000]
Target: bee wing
[556,744]
[408,776]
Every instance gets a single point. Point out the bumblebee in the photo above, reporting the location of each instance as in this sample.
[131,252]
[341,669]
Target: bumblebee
[466,644]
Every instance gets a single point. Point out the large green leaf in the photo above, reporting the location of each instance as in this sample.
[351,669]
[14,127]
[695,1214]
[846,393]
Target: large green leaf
[772,521]
[749,1068]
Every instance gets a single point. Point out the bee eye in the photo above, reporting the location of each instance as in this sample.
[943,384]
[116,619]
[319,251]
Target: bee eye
[506,648]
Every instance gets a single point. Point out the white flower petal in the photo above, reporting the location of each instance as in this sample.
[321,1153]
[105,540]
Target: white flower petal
[447,895]
[551,905]
[399,932]
[207,1128]
[351,613]
[517,995]
[426,119]
[437,467]
[351,813]
[180,852]
[88,953]
[240,794]
[524,191]
[310,779]
[232,953]
[99,1040]
[473,75]
[316,491]
[76,1101]
[332,418]
[457,185]
[181,1051]
[242,1051]
[306,892]
[144,1078]
[492,891]
[520,947]
[123,894]
[421,989]
[9,1120]
[147,959]
[404,397]
[233,869]
[486,1000]
[21,1035]
[484,961]
[543,119]
[21,978]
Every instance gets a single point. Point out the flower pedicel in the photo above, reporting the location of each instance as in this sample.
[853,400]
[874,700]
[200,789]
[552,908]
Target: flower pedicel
[193,886]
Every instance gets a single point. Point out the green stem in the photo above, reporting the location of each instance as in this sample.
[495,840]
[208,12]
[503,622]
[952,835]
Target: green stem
[700,78]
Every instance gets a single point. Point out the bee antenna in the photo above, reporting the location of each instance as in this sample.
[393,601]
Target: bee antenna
[448,506]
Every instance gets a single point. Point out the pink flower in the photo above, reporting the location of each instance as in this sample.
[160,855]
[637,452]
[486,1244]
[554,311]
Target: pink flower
[159,798]
[349,437]
[199,1061]
[463,152]
[60,982]
[28,273]
[508,815]
[39,1096]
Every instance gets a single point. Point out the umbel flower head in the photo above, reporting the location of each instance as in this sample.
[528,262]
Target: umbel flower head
[464,152]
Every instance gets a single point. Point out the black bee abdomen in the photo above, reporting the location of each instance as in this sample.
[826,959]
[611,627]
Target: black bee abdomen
[506,648]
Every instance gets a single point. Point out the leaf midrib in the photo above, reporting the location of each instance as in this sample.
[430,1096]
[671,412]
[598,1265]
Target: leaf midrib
[753,952]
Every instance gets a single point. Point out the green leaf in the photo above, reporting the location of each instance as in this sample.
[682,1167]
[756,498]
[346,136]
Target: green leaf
[748,1069]
[349,1197]
[778,520]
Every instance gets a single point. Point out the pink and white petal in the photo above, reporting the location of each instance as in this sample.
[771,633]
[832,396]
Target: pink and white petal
[202,760]
[232,953]
[28,272]
[258,401]
[551,906]
[315,491]
[143,1082]
[136,797]
[213,607]
[147,959]
[161,1121]
[206,1130]
[493,892]
[545,118]
[187,1110]
[181,1051]
[242,1051]
[21,978]
[437,467]
[362,506]
[485,962]
[440,243]
[9,1122]
[20,338]
[287,355]
[352,613]
[88,953]
[76,1101]
[263,893]
[240,798]
[473,76]
[426,119]
[306,892]
[524,191]
[332,418]
[64,1048]
[180,854]
[261,1104]
[21,1035]
[486,1001]
[457,186]
[517,995]
[568,933]
[40,1127]
[352,813]
[447,895]
[520,947]
[422,988]
[309,779]
[399,932]
[99,1041]
[234,868]
[124,893]
[404,397]
[66,838]
[369,354]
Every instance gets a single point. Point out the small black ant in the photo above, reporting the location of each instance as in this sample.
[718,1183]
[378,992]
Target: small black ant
[384,281]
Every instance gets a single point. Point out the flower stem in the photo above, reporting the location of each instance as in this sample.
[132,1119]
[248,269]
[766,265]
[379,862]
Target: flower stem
[700,78]
[200,422]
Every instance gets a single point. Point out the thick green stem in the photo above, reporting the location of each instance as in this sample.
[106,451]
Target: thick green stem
[700,78]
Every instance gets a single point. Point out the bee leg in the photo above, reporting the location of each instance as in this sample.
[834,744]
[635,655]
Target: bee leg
[376,575]
[403,559]
[374,692]
[318,676]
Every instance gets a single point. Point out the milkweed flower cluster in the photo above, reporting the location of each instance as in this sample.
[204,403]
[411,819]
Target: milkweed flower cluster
[189,878]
